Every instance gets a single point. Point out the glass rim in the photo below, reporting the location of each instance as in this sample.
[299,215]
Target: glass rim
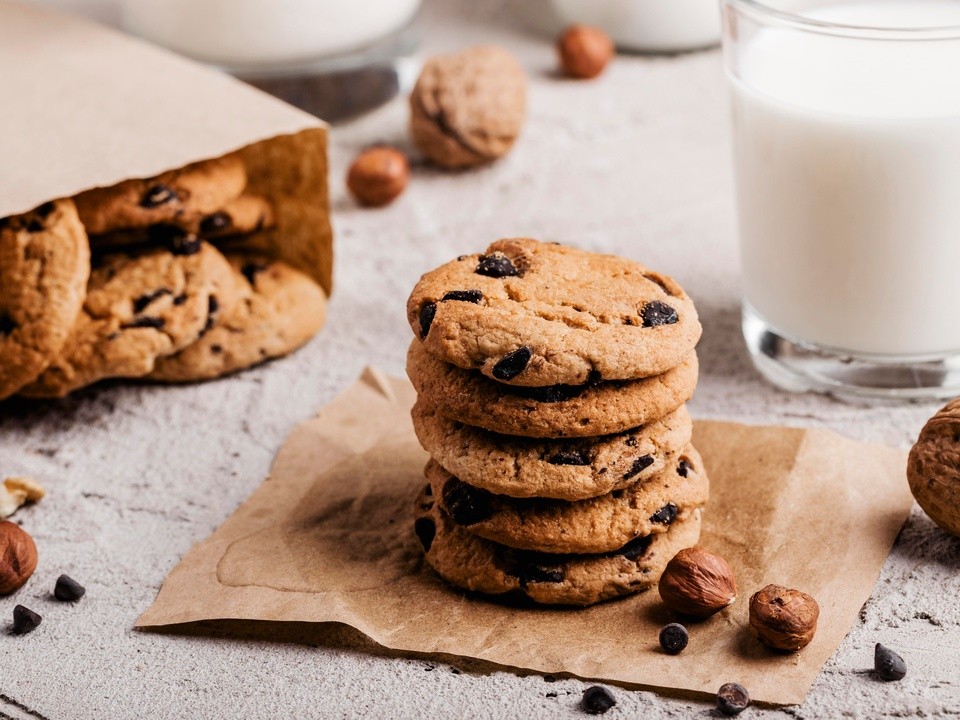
[759,9]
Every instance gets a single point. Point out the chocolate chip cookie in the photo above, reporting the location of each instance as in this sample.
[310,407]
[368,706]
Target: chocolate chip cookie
[473,563]
[557,411]
[191,193]
[535,314]
[138,309]
[279,310]
[560,469]
[44,266]
[597,525]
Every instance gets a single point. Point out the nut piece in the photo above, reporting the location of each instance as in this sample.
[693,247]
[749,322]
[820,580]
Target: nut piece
[468,109]
[378,176]
[784,619]
[584,51]
[698,583]
[17,491]
[18,557]
[933,469]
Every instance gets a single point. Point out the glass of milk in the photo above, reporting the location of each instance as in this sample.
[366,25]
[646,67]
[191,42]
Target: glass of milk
[847,157]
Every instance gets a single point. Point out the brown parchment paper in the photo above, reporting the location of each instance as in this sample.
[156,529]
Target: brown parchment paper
[87,106]
[328,538]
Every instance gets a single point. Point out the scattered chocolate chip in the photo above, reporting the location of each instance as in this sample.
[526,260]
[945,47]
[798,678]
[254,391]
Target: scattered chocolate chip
[427,313]
[658,313]
[25,620]
[674,638]
[144,301]
[34,225]
[68,590]
[638,466]
[426,530]
[157,195]
[147,321]
[7,324]
[597,700]
[732,699]
[512,364]
[569,457]
[45,209]
[665,515]
[250,271]
[217,222]
[466,504]
[470,296]
[683,468]
[887,664]
[216,349]
[636,548]
[496,265]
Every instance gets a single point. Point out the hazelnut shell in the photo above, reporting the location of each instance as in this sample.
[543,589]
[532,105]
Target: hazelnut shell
[18,557]
[784,619]
[697,583]
[584,51]
[378,175]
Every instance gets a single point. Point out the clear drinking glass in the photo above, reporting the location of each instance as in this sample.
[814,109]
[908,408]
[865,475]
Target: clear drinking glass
[846,119]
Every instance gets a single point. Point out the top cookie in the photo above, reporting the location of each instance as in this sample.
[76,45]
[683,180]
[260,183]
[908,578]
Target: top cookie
[44,265]
[536,314]
[194,191]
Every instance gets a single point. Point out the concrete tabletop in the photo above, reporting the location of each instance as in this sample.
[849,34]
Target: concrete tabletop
[636,163]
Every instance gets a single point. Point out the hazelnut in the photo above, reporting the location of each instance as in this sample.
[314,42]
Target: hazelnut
[584,51]
[698,583]
[378,176]
[784,619]
[18,557]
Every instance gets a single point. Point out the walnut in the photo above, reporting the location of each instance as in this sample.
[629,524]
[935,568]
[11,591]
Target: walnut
[933,469]
[468,109]
[784,619]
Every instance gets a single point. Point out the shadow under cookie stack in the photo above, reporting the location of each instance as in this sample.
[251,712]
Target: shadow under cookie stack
[147,279]
[551,387]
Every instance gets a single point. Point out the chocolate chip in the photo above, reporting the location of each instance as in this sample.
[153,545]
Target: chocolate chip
[534,573]
[216,349]
[550,393]
[470,296]
[147,321]
[7,324]
[217,222]
[658,313]
[461,258]
[639,465]
[732,699]
[665,515]
[45,209]
[569,457]
[887,664]
[180,299]
[427,313]
[213,305]
[496,265]
[250,271]
[178,240]
[34,226]
[631,442]
[597,700]
[674,638]
[25,620]
[68,590]
[144,301]
[512,364]
[426,530]
[466,504]
[683,468]
[157,195]
[636,548]
[594,378]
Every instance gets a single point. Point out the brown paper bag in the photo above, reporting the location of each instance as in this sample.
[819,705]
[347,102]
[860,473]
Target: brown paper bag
[328,538]
[86,106]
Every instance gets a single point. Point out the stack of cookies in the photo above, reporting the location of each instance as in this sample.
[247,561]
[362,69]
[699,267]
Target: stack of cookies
[126,282]
[551,388]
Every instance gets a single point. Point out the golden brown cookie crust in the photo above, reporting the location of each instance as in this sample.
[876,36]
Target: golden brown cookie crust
[560,469]
[472,563]
[585,411]
[44,266]
[597,525]
[529,313]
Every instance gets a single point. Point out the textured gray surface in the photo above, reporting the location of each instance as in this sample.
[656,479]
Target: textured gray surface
[636,163]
